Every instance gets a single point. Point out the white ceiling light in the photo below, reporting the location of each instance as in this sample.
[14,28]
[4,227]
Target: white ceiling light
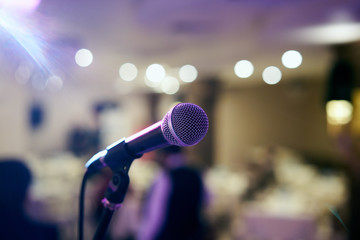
[331,33]
[291,59]
[244,69]
[170,85]
[188,73]
[155,72]
[340,29]
[83,57]
[128,71]
[271,75]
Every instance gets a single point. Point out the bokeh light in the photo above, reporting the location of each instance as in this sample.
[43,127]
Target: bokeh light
[54,83]
[38,82]
[155,72]
[170,85]
[83,57]
[339,112]
[20,5]
[151,84]
[243,69]
[23,73]
[128,71]
[330,33]
[188,73]
[271,75]
[291,59]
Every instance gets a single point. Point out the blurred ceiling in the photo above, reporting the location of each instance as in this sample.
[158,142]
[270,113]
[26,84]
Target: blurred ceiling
[212,35]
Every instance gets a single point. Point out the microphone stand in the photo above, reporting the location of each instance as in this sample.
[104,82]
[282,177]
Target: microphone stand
[117,187]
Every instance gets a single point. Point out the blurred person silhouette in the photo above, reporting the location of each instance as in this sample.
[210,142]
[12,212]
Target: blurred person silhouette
[174,204]
[15,223]
[350,152]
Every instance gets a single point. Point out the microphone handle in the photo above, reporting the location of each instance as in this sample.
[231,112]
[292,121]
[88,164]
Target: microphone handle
[120,154]
[151,138]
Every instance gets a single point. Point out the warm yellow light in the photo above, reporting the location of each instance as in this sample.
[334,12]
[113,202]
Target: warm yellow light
[339,112]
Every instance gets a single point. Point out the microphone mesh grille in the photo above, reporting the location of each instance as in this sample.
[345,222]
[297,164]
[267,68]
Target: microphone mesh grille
[185,125]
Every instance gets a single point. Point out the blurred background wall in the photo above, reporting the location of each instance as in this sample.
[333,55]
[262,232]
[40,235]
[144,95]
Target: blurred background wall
[271,155]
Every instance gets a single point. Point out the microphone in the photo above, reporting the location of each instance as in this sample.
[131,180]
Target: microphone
[185,124]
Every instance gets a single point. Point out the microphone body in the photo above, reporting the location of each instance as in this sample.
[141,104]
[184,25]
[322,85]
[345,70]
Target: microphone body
[151,138]
[184,125]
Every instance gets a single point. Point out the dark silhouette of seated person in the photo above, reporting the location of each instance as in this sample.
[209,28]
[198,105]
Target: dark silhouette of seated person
[173,208]
[15,224]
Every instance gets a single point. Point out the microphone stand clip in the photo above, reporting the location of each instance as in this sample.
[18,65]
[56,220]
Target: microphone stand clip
[119,160]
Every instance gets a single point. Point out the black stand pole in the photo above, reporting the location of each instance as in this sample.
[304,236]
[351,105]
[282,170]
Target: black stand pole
[104,223]
[119,160]
[112,201]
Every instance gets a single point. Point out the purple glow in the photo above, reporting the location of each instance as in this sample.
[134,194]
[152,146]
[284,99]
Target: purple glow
[26,35]
[19,5]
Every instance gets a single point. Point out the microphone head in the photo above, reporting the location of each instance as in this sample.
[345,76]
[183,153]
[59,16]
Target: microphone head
[185,124]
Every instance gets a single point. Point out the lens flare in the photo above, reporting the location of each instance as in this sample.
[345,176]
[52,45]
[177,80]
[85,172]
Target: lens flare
[26,36]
